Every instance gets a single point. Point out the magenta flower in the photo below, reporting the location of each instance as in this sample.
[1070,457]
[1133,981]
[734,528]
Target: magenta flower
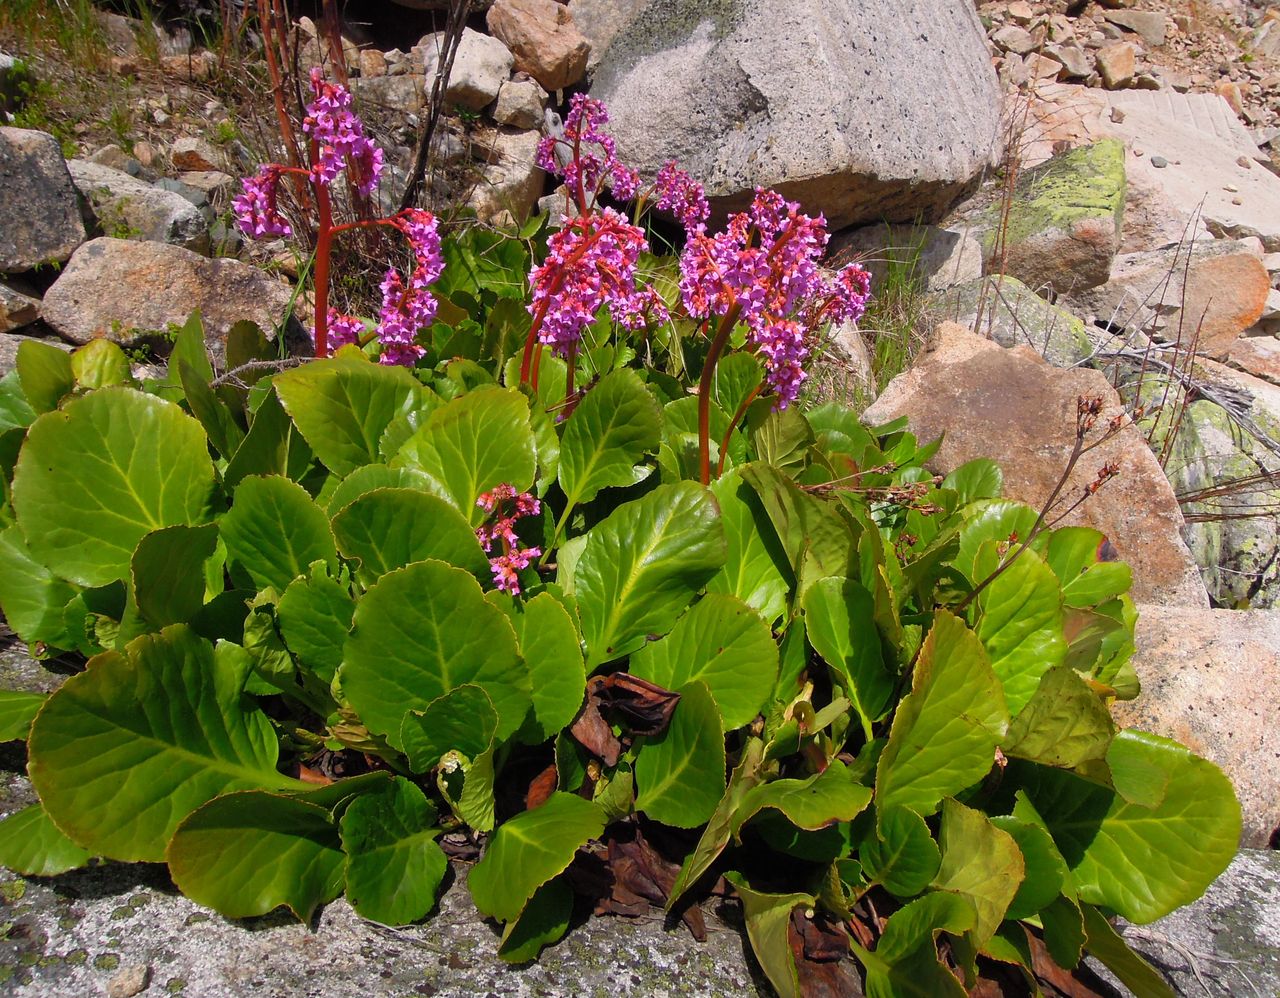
[505,505]
[339,137]
[589,154]
[343,329]
[407,310]
[682,196]
[255,208]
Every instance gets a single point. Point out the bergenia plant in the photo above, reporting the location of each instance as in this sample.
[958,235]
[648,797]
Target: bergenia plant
[338,144]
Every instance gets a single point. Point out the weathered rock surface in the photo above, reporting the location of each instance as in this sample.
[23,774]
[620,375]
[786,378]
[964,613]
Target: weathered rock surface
[17,309]
[1257,355]
[939,258]
[543,38]
[124,290]
[405,94]
[39,217]
[511,182]
[191,153]
[1013,406]
[481,66]
[520,104]
[1064,222]
[9,344]
[600,22]
[760,93]
[131,209]
[1211,680]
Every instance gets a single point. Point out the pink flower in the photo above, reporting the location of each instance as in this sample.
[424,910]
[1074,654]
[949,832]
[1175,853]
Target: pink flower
[407,310]
[587,155]
[255,209]
[339,137]
[682,196]
[505,505]
[343,329]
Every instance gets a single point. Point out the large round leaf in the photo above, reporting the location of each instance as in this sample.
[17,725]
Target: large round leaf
[32,845]
[275,530]
[98,474]
[168,572]
[422,631]
[122,752]
[756,569]
[314,618]
[680,774]
[610,431]
[552,652]
[368,477]
[839,620]
[31,597]
[247,853]
[723,643]
[527,851]
[643,565]
[390,528]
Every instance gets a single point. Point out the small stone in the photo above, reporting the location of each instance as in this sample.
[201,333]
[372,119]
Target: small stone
[1237,201]
[480,66]
[1117,116]
[129,981]
[1117,64]
[520,104]
[1244,161]
[372,63]
[17,308]
[543,38]
[1011,38]
[1230,188]
[1159,162]
[196,154]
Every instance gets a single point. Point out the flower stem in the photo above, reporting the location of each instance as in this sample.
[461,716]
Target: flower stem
[704,391]
[324,248]
[742,411]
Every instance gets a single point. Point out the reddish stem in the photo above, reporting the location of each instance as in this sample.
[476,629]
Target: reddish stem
[704,391]
[324,248]
[742,410]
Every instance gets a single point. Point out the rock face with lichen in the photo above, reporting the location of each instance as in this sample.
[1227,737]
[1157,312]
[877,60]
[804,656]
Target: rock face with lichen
[863,110]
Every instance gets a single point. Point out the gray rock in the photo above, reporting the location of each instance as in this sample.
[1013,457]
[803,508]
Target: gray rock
[113,156]
[481,65]
[39,217]
[131,209]
[600,22]
[1149,25]
[888,118]
[130,291]
[1014,315]
[936,258]
[1075,60]
[510,181]
[9,343]
[17,308]
[405,93]
[1014,39]
[520,104]
[129,981]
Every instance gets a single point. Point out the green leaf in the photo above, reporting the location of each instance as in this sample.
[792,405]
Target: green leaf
[528,850]
[1046,869]
[736,377]
[1063,931]
[342,405]
[101,472]
[642,566]
[812,803]
[1142,861]
[394,866]
[122,752]
[768,918]
[551,649]
[473,443]
[839,620]
[994,520]
[1064,723]
[615,425]
[905,962]
[1133,971]
[945,730]
[756,569]
[314,615]
[387,529]
[462,720]
[248,853]
[45,373]
[15,411]
[1073,553]
[476,804]
[902,854]
[224,432]
[265,448]
[17,710]
[32,845]
[544,920]
[276,531]
[783,439]
[406,650]
[99,364]
[981,863]
[168,572]
[189,348]
[680,774]
[375,476]
[723,643]
[977,479]
[1020,624]
[31,597]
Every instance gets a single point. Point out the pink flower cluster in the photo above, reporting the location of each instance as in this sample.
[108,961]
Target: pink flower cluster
[343,329]
[339,137]
[408,309]
[255,208]
[587,156]
[590,262]
[682,196]
[504,505]
[765,264]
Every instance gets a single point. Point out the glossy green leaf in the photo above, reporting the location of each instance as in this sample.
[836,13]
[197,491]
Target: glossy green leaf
[736,377]
[101,472]
[756,569]
[99,364]
[643,565]
[979,862]
[394,866]
[17,710]
[680,773]
[839,620]
[615,425]
[782,439]
[265,448]
[15,411]
[905,962]
[544,920]
[723,643]
[122,752]
[342,406]
[462,720]
[168,572]
[31,597]
[469,445]
[45,373]
[388,529]
[213,413]
[422,631]
[1046,871]
[1020,624]
[374,476]
[993,520]
[528,850]
[811,803]
[977,479]
[248,853]
[314,616]
[901,854]
[1063,724]
[1064,936]
[1103,942]
[476,804]
[945,731]
[1142,861]
[768,918]
[1074,554]
[276,531]
[551,649]
[32,845]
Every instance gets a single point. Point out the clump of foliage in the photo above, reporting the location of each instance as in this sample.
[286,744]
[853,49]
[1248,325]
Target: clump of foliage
[346,619]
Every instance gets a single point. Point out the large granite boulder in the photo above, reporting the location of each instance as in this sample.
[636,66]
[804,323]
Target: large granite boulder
[863,110]
[130,291]
[126,207]
[1211,680]
[1012,406]
[39,217]
[543,38]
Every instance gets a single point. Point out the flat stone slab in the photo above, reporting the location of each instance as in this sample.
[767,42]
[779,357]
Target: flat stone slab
[1207,113]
